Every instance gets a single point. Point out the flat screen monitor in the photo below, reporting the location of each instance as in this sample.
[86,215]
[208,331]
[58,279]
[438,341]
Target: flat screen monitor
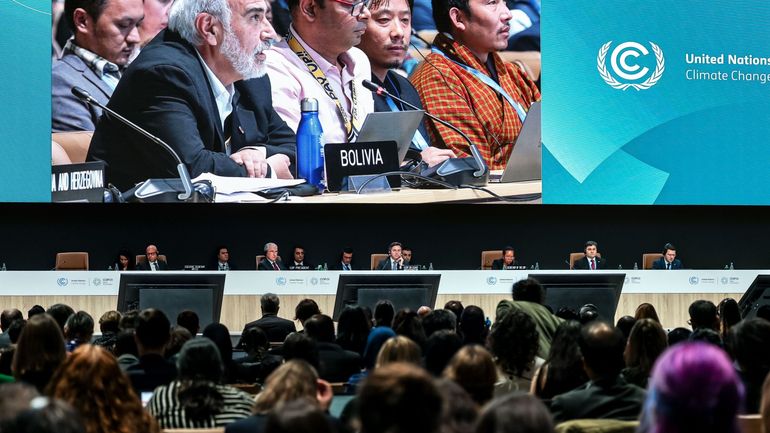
[404,290]
[757,295]
[173,293]
[575,290]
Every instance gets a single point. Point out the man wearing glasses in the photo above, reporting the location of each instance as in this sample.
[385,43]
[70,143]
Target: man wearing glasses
[317,60]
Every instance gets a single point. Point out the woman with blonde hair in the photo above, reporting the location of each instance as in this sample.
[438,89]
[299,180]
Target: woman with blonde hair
[91,381]
[399,349]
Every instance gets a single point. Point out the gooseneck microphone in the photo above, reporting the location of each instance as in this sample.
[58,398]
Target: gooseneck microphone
[150,186]
[481,169]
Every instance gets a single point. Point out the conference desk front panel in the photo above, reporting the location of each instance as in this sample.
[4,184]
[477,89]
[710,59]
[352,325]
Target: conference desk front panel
[96,292]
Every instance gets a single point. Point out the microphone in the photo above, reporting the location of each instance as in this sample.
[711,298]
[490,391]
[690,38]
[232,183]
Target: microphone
[481,171]
[152,187]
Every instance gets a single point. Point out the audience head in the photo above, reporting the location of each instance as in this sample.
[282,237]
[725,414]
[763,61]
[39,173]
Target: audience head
[301,347]
[703,314]
[108,28]
[9,316]
[588,313]
[298,416]
[473,325]
[528,289]
[220,335]
[565,366]
[646,311]
[474,369]
[693,388]
[46,415]
[320,328]
[39,351]
[749,344]
[111,405]
[408,324]
[179,336]
[129,319]
[353,329]
[383,313]
[377,337]
[707,335]
[459,412]
[34,311]
[306,309]
[189,320]
[199,360]
[60,313]
[14,398]
[677,335]
[513,340]
[399,349]
[14,331]
[269,303]
[729,315]
[125,343]
[455,307]
[79,327]
[763,312]
[567,313]
[602,347]
[255,340]
[515,413]
[439,349]
[293,380]
[110,322]
[438,320]
[152,331]
[625,324]
[764,408]
[646,342]
[399,398]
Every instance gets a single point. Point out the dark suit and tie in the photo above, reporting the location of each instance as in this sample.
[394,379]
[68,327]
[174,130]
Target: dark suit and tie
[276,328]
[586,264]
[389,264]
[499,264]
[267,265]
[166,90]
[159,265]
[339,266]
[661,263]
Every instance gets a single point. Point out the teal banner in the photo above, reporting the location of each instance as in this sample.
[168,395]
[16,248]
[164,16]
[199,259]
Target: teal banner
[656,102]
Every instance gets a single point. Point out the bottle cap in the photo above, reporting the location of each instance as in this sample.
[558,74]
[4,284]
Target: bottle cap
[309,104]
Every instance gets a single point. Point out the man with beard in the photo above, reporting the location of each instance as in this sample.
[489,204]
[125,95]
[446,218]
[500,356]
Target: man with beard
[185,88]
[317,60]
[385,43]
[465,82]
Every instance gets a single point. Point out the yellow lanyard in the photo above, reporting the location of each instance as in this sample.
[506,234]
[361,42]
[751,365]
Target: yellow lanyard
[352,128]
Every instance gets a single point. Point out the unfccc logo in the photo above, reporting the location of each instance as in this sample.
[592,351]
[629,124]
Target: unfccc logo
[627,71]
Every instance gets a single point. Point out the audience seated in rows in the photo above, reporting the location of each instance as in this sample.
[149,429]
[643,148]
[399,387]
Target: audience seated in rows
[337,364]
[529,296]
[473,325]
[40,351]
[749,344]
[515,413]
[6,318]
[729,315]
[563,369]
[473,368]
[78,330]
[646,310]
[353,329]
[514,342]
[152,335]
[646,342]
[109,325]
[276,328]
[408,323]
[439,350]
[189,320]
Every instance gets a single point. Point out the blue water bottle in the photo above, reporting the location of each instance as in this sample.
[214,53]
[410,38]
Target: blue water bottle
[310,162]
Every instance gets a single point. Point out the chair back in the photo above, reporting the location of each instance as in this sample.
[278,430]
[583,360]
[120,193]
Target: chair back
[376,259]
[751,423]
[489,256]
[649,258]
[597,426]
[72,261]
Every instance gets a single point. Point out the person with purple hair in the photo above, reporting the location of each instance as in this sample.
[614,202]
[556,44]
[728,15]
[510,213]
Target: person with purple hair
[693,388]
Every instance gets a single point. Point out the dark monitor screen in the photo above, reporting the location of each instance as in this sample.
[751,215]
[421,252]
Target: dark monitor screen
[575,290]
[403,290]
[173,293]
[757,295]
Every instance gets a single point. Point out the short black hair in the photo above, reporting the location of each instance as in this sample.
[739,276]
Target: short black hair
[703,314]
[602,346]
[9,316]
[441,10]
[189,320]
[306,309]
[35,310]
[508,248]
[439,320]
[80,327]
[94,8]
[528,289]
[153,329]
[299,345]
[383,313]
[320,327]
[60,313]
[394,244]
[590,244]
[668,246]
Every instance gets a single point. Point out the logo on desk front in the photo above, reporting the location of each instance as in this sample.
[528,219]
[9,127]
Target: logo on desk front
[281,281]
[97,282]
[694,280]
[491,281]
[62,281]
[724,280]
[314,281]
[626,72]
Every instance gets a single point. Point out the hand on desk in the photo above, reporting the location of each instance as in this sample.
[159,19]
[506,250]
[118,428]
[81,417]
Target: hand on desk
[257,165]
[434,155]
[280,164]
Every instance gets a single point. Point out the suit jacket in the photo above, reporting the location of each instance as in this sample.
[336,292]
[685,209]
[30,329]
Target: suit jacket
[384,264]
[337,364]
[151,372]
[398,85]
[276,328]
[498,264]
[661,264]
[145,266]
[166,91]
[264,265]
[338,267]
[68,113]
[584,265]
[613,399]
